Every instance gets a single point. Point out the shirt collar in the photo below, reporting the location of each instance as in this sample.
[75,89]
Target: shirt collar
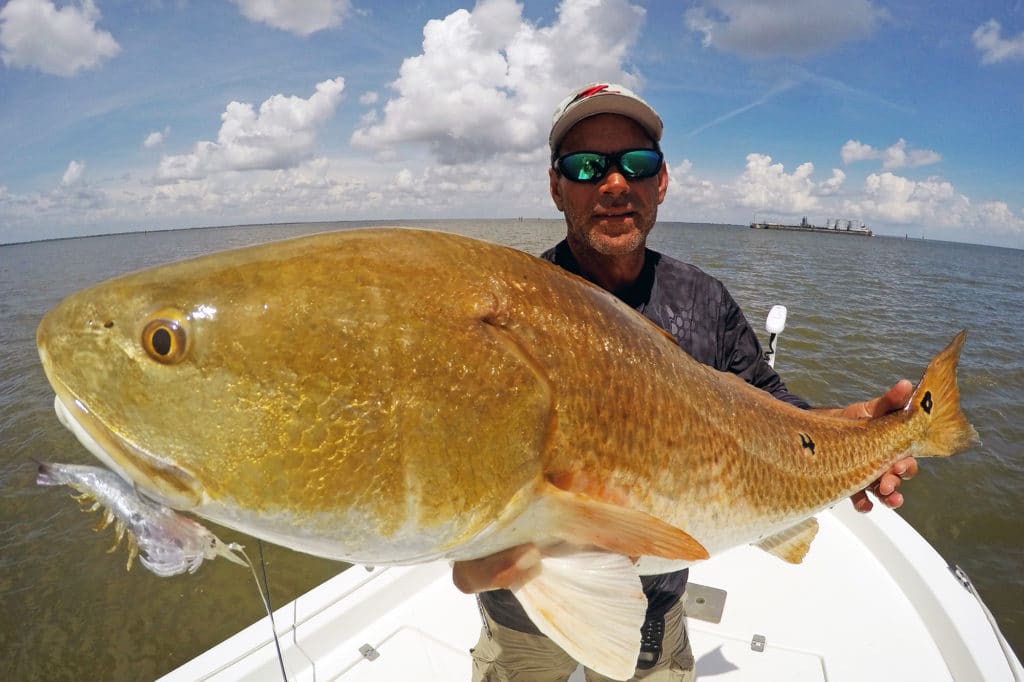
[635,295]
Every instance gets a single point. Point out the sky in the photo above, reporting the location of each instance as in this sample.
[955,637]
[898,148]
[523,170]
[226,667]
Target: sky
[123,115]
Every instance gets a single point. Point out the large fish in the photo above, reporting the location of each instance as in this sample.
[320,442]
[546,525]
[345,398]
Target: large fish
[396,396]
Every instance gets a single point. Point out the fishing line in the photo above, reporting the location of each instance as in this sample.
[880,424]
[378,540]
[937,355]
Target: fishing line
[270,611]
[264,590]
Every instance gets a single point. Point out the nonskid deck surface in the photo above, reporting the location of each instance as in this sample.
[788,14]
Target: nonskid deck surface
[871,595]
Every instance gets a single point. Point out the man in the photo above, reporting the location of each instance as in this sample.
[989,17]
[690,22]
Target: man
[608,177]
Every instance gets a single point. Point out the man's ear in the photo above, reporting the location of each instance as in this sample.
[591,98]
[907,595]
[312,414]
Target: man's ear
[662,182]
[556,190]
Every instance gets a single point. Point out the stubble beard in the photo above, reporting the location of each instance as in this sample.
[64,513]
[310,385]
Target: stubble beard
[621,245]
[596,239]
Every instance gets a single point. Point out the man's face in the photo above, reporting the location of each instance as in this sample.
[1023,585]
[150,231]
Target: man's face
[614,215]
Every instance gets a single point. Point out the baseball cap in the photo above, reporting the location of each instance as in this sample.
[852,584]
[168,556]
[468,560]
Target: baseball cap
[602,98]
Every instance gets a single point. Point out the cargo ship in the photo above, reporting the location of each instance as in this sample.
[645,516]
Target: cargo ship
[837,226]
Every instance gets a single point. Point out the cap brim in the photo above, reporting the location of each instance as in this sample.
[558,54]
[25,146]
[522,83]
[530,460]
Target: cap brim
[609,103]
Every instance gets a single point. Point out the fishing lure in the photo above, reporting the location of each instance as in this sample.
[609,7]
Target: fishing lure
[165,542]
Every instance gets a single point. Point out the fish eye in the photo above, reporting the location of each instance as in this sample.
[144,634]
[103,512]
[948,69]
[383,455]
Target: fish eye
[164,340]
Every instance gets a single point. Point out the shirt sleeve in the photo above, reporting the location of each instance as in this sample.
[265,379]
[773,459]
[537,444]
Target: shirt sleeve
[744,356]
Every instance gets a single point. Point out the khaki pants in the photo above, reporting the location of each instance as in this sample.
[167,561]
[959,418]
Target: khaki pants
[504,655]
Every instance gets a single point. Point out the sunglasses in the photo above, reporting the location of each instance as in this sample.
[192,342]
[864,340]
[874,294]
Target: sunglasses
[634,164]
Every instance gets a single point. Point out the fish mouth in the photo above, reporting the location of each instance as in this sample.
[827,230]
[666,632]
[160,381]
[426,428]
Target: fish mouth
[164,483]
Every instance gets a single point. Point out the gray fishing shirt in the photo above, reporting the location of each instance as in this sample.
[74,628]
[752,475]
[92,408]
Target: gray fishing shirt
[706,322]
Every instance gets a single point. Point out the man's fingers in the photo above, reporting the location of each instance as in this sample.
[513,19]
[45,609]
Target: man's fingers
[886,488]
[861,502]
[897,397]
[905,469]
[894,399]
[893,501]
[524,567]
[497,571]
[887,484]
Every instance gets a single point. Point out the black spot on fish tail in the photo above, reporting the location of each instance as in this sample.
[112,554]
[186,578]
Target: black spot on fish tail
[806,442]
[937,396]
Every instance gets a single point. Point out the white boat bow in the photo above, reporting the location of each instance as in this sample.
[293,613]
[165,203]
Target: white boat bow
[872,597]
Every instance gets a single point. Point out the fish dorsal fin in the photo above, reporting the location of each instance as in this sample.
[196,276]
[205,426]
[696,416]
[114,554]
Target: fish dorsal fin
[583,520]
[591,604]
[791,545]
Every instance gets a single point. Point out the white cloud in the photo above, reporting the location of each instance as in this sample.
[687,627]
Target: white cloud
[156,138]
[883,200]
[316,189]
[73,173]
[301,17]
[998,217]
[507,185]
[765,186]
[369,98]
[834,184]
[280,135]
[767,28]
[855,150]
[934,203]
[891,197]
[897,199]
[62,42]
[895,156]
[487,80]
[988,38]
[689,193]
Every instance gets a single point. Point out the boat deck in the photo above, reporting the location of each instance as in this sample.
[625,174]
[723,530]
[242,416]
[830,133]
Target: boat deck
[871,597]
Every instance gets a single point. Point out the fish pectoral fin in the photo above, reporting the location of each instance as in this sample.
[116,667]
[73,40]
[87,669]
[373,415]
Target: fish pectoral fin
[590,603]
[792,544]
[583,520]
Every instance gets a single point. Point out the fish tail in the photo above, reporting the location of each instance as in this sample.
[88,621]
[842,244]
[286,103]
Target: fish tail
[937,401]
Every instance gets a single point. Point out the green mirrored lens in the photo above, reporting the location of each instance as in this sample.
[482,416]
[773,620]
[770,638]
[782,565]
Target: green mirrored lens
[584,166]
[640,163]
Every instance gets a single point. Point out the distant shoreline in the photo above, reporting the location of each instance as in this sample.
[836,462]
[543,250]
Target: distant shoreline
[408,221]
[284,223]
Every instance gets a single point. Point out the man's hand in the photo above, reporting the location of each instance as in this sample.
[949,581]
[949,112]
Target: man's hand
[497,571]
[886,487]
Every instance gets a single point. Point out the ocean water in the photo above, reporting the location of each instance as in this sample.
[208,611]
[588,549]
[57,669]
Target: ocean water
[862,314]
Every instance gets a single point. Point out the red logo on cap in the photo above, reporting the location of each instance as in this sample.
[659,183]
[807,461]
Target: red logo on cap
[590,92]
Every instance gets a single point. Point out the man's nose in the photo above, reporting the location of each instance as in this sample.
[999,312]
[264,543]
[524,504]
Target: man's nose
[615,183]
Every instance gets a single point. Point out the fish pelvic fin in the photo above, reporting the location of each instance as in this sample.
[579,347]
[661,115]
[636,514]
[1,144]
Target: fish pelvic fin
[591,604]
[937,401]
[792,544]
[582,520]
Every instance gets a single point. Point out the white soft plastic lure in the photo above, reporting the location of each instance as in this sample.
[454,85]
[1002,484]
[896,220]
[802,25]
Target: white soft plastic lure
[165,542]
